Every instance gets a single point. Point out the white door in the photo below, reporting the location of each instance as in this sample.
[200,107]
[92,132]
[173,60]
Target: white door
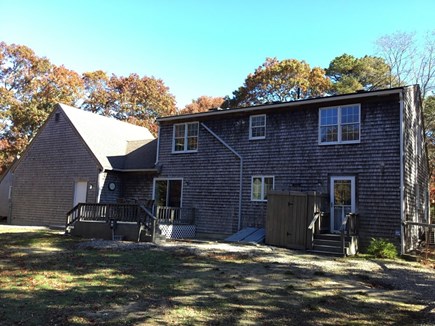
[80,191]
[342,200]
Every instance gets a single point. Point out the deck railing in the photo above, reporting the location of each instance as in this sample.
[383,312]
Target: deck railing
[174,215]
[129,213]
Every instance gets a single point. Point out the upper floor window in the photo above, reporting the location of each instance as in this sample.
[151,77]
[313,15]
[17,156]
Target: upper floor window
[339,124]
[185,137]
[257,126]
[261,186]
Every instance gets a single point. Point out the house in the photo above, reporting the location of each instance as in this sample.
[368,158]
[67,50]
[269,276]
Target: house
[365,151]
[5,194]
[78,156]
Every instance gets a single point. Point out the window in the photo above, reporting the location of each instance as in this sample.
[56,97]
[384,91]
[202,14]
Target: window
[260,187]
[257,126]
[185,137]
[167,192]
[339,124]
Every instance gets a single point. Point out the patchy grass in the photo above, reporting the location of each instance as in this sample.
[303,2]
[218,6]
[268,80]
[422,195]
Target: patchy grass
[46,279]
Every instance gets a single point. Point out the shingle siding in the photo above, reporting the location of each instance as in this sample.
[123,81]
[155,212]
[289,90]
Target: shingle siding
[44,179]
[291,153]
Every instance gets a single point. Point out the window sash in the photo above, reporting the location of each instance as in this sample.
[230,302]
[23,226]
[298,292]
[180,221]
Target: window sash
[257,126]
[185,137]
[260,186]
[340,124]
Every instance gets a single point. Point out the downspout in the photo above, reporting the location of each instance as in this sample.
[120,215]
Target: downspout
[239,222]
[402,177]
[158,147]
[100,184]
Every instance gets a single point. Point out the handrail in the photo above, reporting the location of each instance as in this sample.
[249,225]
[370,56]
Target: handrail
[344,228]
[71,218]
[144,225]
[315,218]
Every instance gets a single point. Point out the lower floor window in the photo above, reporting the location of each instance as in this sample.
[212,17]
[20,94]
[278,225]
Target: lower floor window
[261,186]
[167,192]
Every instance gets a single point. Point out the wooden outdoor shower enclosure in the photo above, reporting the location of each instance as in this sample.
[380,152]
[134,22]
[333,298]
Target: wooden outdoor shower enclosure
[288,216]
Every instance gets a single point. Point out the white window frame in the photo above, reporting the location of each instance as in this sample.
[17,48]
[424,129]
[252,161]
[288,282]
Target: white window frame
[262,177]
[251,126]
[186,138]
[340,125]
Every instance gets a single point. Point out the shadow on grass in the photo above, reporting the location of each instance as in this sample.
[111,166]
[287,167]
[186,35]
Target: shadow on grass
[64,285]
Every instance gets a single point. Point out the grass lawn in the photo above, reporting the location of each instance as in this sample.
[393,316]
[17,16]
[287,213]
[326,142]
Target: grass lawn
[47,279]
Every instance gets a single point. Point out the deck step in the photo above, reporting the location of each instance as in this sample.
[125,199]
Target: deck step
[330,243]
[327,253]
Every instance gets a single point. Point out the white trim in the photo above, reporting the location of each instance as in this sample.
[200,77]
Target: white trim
[340,125]
[250,126]
[262,177]
[158,148]
[332,192]
[168,179]
[402,177]
[185,138]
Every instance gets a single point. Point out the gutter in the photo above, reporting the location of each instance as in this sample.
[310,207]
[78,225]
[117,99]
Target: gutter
[239,222]
[263,107]
[402,176]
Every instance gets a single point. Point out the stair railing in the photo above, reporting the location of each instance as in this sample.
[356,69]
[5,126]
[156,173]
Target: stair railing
[348,227]
[148,222]
[314,228]
[72,216]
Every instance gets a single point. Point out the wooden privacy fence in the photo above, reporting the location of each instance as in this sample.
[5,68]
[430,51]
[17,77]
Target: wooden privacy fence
[288,217]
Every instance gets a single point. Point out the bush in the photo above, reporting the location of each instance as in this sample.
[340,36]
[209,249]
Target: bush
[381,248]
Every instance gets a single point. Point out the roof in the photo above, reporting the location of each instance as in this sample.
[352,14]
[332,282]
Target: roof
[264,107]
[116,145]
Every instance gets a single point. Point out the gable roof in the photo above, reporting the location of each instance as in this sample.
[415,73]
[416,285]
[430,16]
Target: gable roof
[279,105]
[108,138]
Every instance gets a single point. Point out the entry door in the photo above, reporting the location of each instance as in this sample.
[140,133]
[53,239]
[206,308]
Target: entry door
[80,192]
[342,200]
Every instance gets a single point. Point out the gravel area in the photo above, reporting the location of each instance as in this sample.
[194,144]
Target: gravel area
[397,275]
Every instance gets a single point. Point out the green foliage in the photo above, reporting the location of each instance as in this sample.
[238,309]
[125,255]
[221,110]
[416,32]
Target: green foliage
[280,81]
[382,248]
[350,74]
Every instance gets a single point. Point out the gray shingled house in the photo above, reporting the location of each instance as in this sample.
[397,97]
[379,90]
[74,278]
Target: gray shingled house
[364,152]
[78,156]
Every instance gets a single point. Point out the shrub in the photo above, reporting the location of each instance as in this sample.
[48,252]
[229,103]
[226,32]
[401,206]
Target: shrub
[381,248]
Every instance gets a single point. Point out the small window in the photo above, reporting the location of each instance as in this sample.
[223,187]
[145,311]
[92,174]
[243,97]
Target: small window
[257,126]
[261,186]
[339,124]
[185,137]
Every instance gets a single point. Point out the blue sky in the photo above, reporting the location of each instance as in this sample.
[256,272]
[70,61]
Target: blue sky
[203,47]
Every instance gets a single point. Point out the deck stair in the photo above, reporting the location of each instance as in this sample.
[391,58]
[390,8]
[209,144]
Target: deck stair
[331,244]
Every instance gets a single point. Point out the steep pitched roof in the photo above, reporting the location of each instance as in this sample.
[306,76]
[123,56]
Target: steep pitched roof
[108,139]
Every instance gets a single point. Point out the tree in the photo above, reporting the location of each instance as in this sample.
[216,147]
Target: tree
[135,99]
[30,86]
[280,81]
[409,62]
[202,104]
[350,74]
